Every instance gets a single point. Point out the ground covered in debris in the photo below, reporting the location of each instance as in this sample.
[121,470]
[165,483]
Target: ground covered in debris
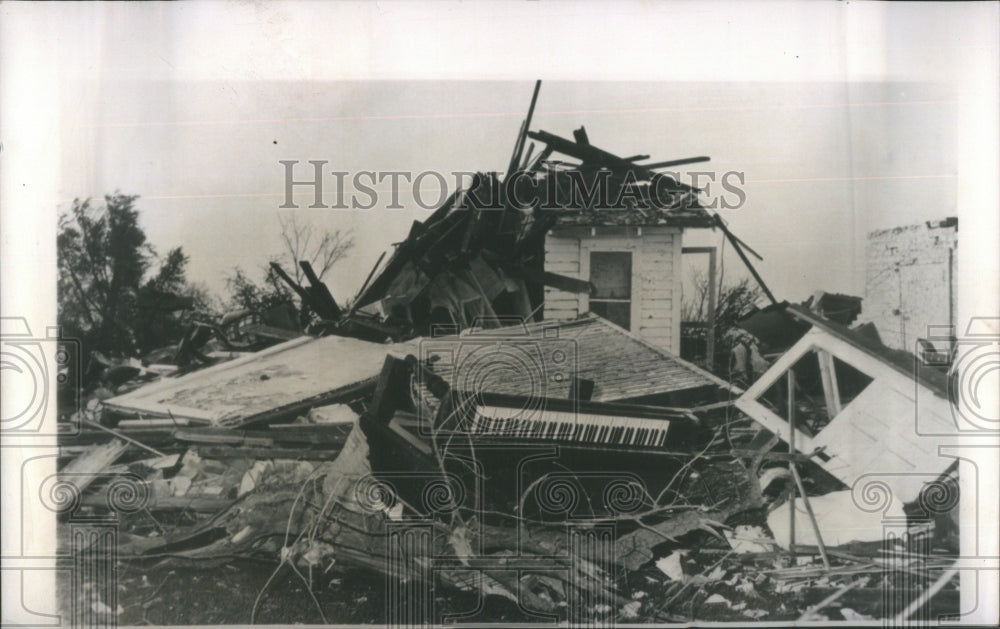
[715,586]
[440,450]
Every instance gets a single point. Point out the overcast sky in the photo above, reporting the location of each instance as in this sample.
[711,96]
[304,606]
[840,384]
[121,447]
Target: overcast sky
[845,116]
[824,163]
[843,121]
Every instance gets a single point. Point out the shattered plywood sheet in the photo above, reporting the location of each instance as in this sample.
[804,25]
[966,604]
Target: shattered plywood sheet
[543,359]
[874,420]
[301,370]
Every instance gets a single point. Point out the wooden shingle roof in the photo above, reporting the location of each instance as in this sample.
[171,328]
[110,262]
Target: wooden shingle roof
[541,359]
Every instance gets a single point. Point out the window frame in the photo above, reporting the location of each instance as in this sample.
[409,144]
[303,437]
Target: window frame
[813,341]
[603,246]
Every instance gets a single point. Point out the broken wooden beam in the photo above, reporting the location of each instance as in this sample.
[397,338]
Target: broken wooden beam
[83,470]
[515,159]
[238,452]
[323,302]
[269,331]
[679,162]
[538,276]
[301,292]
[733,240]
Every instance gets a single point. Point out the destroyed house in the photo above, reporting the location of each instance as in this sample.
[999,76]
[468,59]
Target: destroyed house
[868,413]
[538,247]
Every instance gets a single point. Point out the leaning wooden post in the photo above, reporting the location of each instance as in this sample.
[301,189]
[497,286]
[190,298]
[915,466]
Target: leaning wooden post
[812,517]
[712,292]
[793,468]
[791,458]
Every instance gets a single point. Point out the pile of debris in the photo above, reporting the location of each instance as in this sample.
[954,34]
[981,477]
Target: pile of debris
[441,432]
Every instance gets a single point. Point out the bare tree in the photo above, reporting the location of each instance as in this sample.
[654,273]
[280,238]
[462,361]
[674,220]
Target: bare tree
[303,241]
[735,301]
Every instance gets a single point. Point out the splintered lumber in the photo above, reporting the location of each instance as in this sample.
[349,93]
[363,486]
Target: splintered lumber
[283,435]
[322,301]
[546,278]
[222,436]
[157,502]
[259,329]
[746,261]
[675,162]
[83,470]
[515,158]
[301,292]
[240,452]
[124,437]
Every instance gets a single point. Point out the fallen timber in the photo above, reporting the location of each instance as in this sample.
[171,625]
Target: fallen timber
[630,458]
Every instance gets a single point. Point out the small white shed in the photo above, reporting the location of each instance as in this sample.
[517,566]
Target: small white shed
[635,266]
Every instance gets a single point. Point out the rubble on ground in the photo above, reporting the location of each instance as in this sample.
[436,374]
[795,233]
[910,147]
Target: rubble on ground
[412,435]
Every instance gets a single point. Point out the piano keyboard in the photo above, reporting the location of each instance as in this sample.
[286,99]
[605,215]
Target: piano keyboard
[578,427]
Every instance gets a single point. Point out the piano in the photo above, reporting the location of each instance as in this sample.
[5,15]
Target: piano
[518,439]
[571,423]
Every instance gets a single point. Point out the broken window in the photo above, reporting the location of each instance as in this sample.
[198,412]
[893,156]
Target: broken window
[611,275]
[824,386]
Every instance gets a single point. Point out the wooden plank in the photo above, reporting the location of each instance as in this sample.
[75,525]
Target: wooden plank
[259,329]
[299,454]
[395,425]
[221,436]
[81,471]
[828,374]
[326,307]
[154,502]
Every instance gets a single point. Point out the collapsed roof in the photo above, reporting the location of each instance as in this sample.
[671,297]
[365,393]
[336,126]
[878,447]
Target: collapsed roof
[481,254]
[548,359]
[872,414]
